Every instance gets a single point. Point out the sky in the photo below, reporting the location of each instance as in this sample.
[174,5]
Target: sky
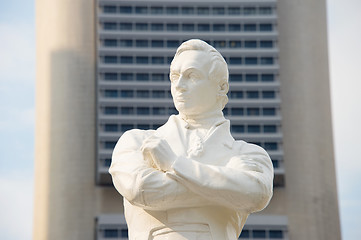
[17,108]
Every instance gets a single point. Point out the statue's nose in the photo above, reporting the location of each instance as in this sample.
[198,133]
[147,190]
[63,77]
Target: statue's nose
[181,84]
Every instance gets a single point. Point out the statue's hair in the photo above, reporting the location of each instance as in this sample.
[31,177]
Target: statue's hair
[218,71]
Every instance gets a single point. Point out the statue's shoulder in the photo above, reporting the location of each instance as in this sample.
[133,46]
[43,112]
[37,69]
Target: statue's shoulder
[244,147]
[136,135]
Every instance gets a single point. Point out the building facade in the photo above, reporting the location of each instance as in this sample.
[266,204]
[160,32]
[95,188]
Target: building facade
[103,69]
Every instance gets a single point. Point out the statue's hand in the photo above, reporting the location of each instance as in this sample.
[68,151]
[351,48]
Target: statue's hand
[158,152]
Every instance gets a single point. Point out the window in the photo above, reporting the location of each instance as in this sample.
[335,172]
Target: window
[259,233]
[143,126]
[111,127]
[269,111]
[253,129]
[109,145]
[265,27]
[172,27]
[109,9]
[276,233]
[142,77]
[188,27]
[219,27]
[126,110]
[172,10]
[126,93]
[252,111]
[252,94]
[110,93]
[158,94]
[156,10]
[125,9]
[156,126]
[141,10]
[157,43]
[124,233]
[169,60]
[126,127]
[249,11]
[250,27]
[235,60]
[142,60]
[268,94]
[187,10]
[275,164]
[142,111]
[265,10]
[157,60]
[219,44]
[235,77]
[109,26]
[126,43]
[225,111]
[244,234]
[236,94]
[126,59]
[126,76]
[110,233]
[204,27]
[269,128]
[237,111]
[125,26]
[172,110]
[234,27]
[267,77]
[270,145]
[142,93]
[234,10]
[157,77]
[157,26]
[172,43]
[110,59]
[110,42]
[250,44]
[158,111]
[110,76]
[141,43]
[107,162]
[251,77]
[141,26]
[218,11]
[110,110]
[203,11]
[237,128]
[251,61]
[266,60]
[234,44]
[266,44]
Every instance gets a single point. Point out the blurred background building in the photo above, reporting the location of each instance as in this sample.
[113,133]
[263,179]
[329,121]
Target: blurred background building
[102,69]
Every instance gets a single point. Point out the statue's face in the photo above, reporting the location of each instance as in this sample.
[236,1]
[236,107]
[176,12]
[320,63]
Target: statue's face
[192,90]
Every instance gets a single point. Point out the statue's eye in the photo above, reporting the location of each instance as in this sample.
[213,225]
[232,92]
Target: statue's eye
[174,77]
[193,76]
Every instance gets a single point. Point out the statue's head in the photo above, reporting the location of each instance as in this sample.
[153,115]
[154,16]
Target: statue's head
[199,78]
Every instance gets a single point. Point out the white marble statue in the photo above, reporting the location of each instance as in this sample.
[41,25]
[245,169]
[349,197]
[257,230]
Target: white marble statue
[190,179]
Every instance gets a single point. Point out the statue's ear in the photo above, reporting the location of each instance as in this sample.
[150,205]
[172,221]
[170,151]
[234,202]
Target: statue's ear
[224,87]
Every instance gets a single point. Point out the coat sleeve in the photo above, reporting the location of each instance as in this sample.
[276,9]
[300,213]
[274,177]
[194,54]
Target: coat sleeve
[143,185]
[244,184]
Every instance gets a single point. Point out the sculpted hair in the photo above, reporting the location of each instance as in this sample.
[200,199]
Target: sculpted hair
[218,71]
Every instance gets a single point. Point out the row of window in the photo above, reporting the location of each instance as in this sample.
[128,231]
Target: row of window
[143,43]
[157,77]
[261,234]
[167,60]
[252,128]
[229,111]
[249,94]
[157,10]
[188,27]
[271,146]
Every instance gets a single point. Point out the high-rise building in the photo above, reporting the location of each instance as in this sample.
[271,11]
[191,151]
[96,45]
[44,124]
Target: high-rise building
[102,68]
